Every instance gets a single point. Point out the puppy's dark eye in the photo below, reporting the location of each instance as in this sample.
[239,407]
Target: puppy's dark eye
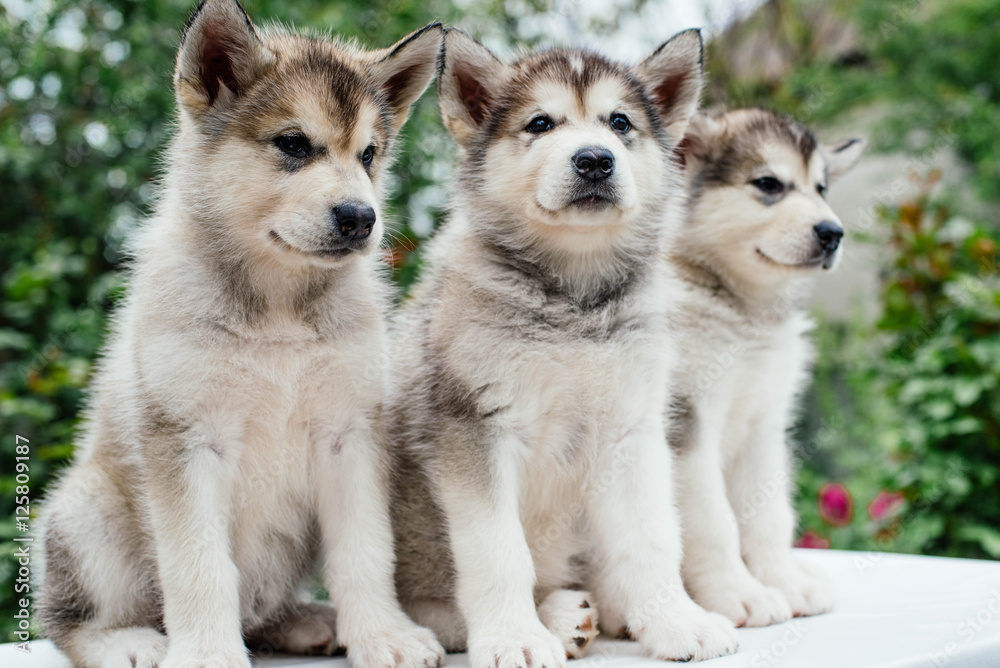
[821,189]
[768,185]
[620,123]
[367,156]
[294,144]
[539,124]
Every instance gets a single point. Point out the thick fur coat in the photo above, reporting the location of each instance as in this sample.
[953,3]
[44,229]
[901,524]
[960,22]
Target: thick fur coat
[530,373]
[758,227]
[234,433]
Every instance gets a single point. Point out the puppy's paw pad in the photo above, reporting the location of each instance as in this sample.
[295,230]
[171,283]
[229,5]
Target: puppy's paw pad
[572,618]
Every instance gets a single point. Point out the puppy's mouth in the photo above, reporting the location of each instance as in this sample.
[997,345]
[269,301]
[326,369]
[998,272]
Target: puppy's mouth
[333,253]
[592,202]
[823,260]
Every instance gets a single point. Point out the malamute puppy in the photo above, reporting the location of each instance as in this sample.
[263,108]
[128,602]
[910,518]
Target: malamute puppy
[530,374]
[233,431]
[758,229]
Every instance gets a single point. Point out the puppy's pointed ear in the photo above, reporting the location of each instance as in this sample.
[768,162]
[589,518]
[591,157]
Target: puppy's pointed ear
[840,157]
[673,75]
[404,70]
[468,84]
[219,58]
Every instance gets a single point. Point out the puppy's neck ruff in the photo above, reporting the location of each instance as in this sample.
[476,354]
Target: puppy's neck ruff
[589,277]
[775,302]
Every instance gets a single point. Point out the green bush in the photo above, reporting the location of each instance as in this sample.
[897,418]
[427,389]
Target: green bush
[934,62]
[913,400]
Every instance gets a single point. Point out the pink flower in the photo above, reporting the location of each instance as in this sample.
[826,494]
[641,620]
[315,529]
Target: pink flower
[885,505]
[835,504]
[813,540]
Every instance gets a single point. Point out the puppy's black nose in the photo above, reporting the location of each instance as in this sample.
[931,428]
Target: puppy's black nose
[828,234]
[594,163]
[354,221]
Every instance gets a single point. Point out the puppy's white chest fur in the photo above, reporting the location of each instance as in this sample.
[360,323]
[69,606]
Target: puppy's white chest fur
[562,408]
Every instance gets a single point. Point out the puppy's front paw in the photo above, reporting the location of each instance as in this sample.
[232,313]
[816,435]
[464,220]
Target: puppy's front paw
[808,595]
[572,617]
[806,592]
[742,599]
[404,646]
[532,646]
[181,657]
[310,630]
[687,633]
[135,648]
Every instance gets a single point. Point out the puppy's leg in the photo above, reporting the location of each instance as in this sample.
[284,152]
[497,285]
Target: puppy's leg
[190,476]
[443,617]
[304,628]
[134,647]
[760,481]
[572,617]
[99,596]
[638,557]
[495,571]
[568,614]
[714,572]
[352,488]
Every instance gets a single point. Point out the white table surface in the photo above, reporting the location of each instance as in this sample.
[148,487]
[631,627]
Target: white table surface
[891,610]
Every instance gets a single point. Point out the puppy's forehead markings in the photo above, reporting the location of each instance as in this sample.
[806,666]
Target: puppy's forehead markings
[817,168]
[338,83]
[576,69]
[366,130]
[325,126]
[606,96]
[555,98]
[560,99]
[785,162]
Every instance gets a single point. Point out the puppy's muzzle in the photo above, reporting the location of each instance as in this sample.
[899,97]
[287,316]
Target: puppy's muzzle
[353,221]
[594,163]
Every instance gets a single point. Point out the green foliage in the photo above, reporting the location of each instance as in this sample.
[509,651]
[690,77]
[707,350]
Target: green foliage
[934,62]
[942,299]
[914,397]
[943,62]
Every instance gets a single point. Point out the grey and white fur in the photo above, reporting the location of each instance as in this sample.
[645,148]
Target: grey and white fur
[530,373]
[758,229]
[233,434]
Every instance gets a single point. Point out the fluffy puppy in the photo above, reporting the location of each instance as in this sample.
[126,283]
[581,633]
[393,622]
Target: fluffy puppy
[530,373]
[233,433]
[758,229]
